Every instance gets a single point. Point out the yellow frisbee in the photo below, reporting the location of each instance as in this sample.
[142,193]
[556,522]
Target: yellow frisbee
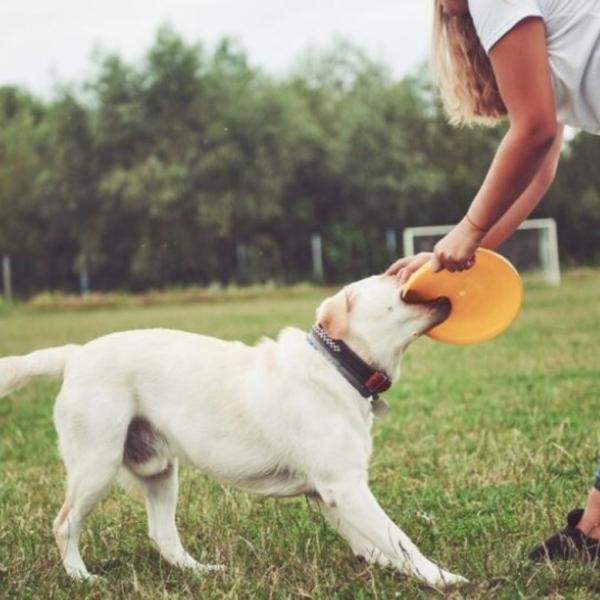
[486,299]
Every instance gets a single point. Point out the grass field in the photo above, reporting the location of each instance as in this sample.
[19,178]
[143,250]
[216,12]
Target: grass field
[484,451]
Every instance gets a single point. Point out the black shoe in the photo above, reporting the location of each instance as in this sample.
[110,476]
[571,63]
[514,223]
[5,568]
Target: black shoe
[568,543]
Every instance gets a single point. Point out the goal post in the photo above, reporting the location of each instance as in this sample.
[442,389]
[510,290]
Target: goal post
[533,247]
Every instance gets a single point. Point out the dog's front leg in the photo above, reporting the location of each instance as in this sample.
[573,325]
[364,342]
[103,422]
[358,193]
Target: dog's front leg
[355,513]
[361,546]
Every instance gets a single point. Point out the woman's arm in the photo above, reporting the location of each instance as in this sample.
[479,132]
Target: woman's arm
[525,162]
[506,226]
[529,199]
[520,63]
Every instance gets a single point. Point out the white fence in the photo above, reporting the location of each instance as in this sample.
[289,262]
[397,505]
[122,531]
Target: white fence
[547,244]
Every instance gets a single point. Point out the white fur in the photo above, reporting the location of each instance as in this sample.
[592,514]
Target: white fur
[276,419]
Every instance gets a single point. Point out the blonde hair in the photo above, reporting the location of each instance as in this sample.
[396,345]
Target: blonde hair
[463,71]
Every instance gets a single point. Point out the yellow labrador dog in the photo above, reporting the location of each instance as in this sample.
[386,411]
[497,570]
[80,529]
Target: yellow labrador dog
[282,418]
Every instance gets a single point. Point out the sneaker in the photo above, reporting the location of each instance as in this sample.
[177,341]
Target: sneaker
[568,543]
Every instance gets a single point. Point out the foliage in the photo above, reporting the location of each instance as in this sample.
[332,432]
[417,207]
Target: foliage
[214,293]
[193,166]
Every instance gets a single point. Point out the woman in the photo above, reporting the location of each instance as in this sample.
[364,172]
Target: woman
[538,63]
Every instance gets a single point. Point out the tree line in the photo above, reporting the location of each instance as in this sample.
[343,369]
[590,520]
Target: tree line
[189,164]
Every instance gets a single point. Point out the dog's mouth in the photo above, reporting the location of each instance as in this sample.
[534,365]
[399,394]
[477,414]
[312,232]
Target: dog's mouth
[439,309]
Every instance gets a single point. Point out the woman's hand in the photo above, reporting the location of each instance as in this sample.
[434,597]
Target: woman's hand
[405,267]
[456,252]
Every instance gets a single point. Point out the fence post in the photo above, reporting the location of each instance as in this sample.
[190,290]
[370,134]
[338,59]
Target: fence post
[317,257]
[391,242]
[241,255]
[84,277]
[6,277]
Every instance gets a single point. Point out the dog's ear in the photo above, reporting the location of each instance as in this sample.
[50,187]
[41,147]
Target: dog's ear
[332,314]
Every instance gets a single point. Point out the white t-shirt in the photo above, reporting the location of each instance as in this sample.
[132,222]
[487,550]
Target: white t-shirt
[573,40]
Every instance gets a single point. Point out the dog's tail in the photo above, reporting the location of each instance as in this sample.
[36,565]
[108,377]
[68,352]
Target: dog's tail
[16,371]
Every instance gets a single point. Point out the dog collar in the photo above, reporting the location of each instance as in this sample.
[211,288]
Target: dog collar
[366,380]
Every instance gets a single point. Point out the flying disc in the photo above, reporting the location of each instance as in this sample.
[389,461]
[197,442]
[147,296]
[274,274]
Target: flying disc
[485,299]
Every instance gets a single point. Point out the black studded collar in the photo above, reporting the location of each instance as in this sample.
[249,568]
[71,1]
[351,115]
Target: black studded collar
[369,382]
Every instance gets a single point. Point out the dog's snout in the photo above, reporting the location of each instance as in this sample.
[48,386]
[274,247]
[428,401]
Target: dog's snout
[443,306]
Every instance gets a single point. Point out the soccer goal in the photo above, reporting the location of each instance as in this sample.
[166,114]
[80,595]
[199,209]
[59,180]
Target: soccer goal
[533,247]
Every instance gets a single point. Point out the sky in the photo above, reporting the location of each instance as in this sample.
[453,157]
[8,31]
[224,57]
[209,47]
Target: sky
[47,42]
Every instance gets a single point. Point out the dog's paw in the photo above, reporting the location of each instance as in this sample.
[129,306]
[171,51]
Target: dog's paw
[212,568]
[202,569]
[447,579]
[82,575]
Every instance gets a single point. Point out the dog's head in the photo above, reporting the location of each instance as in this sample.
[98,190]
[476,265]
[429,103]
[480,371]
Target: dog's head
[373,319]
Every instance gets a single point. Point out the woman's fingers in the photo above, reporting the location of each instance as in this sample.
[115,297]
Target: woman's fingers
[398,265]
[405,267]
[468,264]
[436,265]
[440,262]
[410,264]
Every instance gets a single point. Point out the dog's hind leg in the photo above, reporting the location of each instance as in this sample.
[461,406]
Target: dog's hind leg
[160,494]
[87,484]
[91,444]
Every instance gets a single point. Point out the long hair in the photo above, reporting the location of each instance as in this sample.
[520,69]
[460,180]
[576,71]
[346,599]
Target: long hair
[463,71]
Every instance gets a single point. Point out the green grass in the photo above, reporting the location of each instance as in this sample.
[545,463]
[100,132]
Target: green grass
[484,451]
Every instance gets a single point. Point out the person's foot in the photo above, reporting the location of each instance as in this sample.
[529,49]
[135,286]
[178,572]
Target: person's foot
[569,543]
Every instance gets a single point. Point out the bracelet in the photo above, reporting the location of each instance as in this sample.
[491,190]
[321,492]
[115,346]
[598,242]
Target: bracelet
[473,224]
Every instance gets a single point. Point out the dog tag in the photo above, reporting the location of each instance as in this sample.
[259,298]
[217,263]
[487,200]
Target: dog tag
[380,408]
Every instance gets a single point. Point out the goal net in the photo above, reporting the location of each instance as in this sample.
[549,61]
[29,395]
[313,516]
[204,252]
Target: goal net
[533,247]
